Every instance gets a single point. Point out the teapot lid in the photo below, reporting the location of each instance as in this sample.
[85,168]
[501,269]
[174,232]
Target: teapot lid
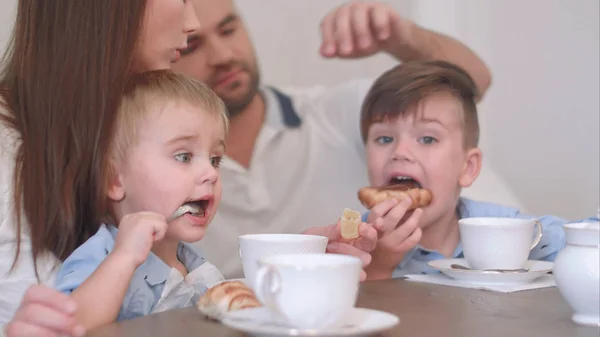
[583,233]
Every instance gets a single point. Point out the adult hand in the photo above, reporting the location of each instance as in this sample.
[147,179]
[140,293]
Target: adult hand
[359,29]
[360,247]
[45,312]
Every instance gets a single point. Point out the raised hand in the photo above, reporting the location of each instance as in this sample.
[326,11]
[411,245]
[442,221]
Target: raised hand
[137,233]
[359,29]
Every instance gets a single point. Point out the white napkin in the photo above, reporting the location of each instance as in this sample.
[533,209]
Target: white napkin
[542,282]
[180,292]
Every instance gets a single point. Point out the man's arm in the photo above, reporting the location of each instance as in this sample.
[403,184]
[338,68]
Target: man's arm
[361,29]
[428,45]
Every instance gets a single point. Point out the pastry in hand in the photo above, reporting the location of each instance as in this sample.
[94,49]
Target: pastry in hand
[349,224]
[371,196]
[225,297]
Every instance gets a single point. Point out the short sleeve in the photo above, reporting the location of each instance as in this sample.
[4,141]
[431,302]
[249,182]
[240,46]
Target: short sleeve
[336,110]
[84,261]
[365,216]
[342,109]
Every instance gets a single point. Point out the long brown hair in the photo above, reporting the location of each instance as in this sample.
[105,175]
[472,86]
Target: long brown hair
[62,79]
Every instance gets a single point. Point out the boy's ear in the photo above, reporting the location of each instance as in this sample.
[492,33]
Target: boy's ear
[471,168]
[116,189]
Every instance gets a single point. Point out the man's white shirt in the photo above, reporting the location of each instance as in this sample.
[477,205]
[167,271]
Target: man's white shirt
[299,177]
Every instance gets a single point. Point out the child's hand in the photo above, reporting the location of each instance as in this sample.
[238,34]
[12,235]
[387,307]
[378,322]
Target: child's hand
[137,233]
[397,236]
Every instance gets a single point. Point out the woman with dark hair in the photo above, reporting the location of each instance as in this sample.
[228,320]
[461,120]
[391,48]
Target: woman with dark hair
[61,81]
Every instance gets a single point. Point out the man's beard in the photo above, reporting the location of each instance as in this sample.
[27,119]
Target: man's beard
[236,105]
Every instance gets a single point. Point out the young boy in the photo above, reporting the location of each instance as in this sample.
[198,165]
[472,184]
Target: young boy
[419,124]
[165,154]
[166,151]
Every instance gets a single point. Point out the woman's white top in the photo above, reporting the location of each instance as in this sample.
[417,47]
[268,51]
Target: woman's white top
[14,284]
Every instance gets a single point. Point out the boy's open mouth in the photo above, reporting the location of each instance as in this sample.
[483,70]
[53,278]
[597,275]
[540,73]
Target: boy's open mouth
[195,208]
[405,181]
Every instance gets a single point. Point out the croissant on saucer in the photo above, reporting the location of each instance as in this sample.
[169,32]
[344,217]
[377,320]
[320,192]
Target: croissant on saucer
[371,196]
[225,297]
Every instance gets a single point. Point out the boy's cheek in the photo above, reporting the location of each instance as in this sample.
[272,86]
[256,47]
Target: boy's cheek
[376,176]
[375,165]
[218,191]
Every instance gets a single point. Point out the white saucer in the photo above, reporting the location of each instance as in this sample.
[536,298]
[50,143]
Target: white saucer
[261,322]
[536,270]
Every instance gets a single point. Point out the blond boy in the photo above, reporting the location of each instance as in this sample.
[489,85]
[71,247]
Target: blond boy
[163,191]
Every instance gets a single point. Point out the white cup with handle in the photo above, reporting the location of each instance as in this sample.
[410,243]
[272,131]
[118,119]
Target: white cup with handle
[309,291]
[498,243]
[253,247]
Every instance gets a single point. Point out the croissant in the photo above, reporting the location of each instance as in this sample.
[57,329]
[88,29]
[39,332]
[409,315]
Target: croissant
[371,196]
[225,297]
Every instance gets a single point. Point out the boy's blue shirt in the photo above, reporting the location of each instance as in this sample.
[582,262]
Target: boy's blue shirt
[147,283]
[553,238]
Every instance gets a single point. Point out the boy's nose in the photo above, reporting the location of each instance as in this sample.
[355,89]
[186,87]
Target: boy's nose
[209,175]
[403,151]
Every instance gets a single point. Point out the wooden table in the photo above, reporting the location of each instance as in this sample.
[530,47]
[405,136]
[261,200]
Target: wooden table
[424,310]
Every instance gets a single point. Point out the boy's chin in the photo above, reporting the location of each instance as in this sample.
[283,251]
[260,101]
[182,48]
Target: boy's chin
[191,235]
[188,233]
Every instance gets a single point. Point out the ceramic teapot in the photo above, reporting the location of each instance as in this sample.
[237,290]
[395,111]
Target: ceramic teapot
[577,271]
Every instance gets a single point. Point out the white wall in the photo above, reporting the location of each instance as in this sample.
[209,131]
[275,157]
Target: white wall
[541,117]
[540,120]
[292,58]
[7,11]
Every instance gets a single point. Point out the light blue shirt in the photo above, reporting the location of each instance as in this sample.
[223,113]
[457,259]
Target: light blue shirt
[147,283]
[553,239]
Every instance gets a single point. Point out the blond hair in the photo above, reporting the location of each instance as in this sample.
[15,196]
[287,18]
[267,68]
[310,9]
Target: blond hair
[148,90]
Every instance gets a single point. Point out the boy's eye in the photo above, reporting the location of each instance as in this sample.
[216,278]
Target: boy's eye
[183,157]
[427,140]
[384,140]
[216,161]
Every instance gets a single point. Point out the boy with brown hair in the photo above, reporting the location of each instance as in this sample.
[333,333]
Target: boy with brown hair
[419,125]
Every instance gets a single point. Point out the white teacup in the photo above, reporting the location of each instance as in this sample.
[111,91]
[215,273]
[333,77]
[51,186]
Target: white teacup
[309,291]
[498,243]
[256,246]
